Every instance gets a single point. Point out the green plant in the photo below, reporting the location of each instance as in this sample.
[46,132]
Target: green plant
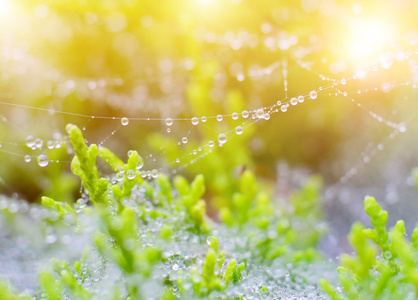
[384,265]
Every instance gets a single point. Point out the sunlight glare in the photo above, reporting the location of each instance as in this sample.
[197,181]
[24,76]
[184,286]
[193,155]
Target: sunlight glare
[369,36]
[206,2]
[6,9]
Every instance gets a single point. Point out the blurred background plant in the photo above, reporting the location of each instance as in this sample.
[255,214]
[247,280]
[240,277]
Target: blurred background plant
[200,58]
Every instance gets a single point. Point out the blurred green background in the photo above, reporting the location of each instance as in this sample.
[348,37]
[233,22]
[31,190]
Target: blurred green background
[194,58]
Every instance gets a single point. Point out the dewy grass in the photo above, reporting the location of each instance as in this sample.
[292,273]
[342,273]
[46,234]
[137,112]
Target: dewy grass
[130,238]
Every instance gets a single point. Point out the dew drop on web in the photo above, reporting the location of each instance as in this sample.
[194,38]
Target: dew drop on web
[294,101]
[43,160]
[195,121]
[313,95]
[222,138]
[140,163]
[238,130]
[259,113]
[169,121]
[39,143]
[30,141]
[154,173]
[124,121]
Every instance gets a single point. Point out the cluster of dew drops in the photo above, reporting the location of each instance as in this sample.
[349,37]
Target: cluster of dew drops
[43,161]
[37,144]
[131,174]
[257,114]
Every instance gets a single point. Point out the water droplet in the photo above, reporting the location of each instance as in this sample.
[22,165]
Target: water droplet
[402,127]
[175,267]
[50,144]
[245,114]
[168,130]
[235,116]
[119,176]
[313,95]
[219,118]
[343,81]
[28,158]
[50,239]
[124,121]
[30,141]
[222,138]
[259,113]
[43,160]
[39,143]
[211,144]
[169,121]
[279,103]
[184,140]
[140,163]
[154,173]
[301,99]
[204,119]
[283,108]
[195,121]
[194,152]
[238,130]
[293,101]
[130,174]
[266,116]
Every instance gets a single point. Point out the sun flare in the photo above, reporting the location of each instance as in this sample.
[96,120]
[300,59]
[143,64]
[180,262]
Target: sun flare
[370,36]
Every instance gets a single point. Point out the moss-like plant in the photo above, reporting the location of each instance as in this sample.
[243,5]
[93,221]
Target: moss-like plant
[150,237]
[384,265]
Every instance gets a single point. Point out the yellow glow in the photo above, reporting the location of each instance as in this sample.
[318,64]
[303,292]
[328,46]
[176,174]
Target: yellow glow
[6,9]
[370,36]
[206,2]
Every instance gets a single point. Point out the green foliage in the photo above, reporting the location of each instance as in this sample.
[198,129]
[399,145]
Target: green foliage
[64,210]
[190,199]
[277,232]
[84,165]
[139,222]
[62,281]
[384,265]
[128,253]
[7,293]
[211,277]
